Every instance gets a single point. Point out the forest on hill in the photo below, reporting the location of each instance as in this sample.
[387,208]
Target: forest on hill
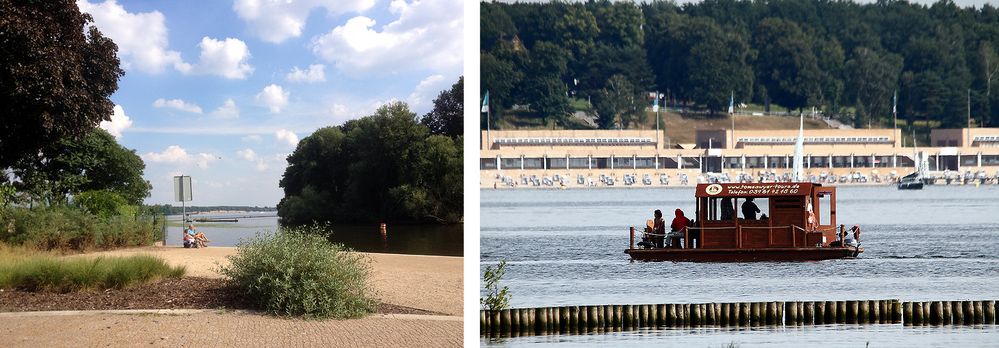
[848,60]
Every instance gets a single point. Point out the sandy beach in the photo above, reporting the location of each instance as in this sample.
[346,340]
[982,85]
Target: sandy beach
[432,283]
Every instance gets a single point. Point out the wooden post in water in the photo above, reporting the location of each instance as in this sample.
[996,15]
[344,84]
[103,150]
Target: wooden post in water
[505,322]
[709,314]
[695,315]
[990,312]
[660,315]
[808,313]
[918,314]
[625,316]
[494,322]
[515,321]
[670,315]
[872,307]
[820,312]
[771,313]
[936,313]
[483,321]
[863,312]
[541,321]
[955,306]
[606,315]
[733,314]
[702,310]
[754,314]
[779,319]
[745,313]
[830,312]
[896,311]
[595,317]
[527,321]
[840,312]
[792,314]
[851,312]
[907,313]
[654,316]
[724,315]
[687,309]
[948,316]
[969,312]
[616,317]
[885,311]
[643,315]
[979,312]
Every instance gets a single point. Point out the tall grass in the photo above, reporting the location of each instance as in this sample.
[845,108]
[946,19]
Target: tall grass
[71,228]
[23,269]
[298,272]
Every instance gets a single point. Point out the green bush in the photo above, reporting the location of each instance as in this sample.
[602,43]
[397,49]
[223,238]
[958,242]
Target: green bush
[297,272]
[43,272]
[71,228]
[104,204]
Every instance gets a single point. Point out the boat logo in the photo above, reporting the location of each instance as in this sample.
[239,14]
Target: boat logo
[713,189]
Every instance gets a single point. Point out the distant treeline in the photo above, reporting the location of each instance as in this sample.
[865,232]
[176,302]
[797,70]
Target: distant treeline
[168,209]
[844,58]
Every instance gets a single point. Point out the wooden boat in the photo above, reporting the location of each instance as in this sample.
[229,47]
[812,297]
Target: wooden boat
[801,226]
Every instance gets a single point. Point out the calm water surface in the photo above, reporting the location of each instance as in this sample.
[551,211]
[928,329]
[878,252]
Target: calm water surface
[402,239]
[565,247]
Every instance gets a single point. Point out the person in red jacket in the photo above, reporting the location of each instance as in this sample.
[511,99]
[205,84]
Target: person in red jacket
[679,225]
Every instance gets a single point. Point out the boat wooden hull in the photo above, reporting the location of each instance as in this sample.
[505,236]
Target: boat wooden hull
[744,255]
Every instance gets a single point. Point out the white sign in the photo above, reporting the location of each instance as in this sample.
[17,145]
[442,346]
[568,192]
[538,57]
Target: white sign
[182,188]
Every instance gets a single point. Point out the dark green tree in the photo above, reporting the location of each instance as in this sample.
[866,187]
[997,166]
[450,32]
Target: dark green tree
[93,163]
[619,102]
[58,73]
[872,79]
[786,64]
[447,115]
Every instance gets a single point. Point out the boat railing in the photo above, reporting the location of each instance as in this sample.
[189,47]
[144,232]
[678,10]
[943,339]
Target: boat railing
[739,235]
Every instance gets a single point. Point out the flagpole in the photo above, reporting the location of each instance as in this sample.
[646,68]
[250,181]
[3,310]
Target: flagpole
[894,113]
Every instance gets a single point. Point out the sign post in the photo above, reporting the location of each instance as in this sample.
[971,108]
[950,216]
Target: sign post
[182,194]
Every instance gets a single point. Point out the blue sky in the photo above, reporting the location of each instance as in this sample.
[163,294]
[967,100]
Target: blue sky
[223,90]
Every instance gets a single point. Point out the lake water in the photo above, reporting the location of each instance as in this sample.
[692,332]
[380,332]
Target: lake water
[566,247]
[400,239]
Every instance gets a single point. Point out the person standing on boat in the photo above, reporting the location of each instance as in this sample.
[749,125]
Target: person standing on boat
[659,229]
[749,209]
[679,224]
[727,210]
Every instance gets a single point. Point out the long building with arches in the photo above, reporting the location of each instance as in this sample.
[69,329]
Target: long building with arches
[567,158]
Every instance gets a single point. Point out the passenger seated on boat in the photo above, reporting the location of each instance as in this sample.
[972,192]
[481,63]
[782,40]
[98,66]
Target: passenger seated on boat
[749,209]
[726,209]
[678,226]
[764,217]
[658,228]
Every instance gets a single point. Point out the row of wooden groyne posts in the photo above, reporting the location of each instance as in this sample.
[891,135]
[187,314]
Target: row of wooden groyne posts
[585,319]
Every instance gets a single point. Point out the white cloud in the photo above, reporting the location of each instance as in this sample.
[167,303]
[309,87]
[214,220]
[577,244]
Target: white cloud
[274,97]
[315,73]
[286,136]
[141,37]
[276,21]
[252,138]
[119,122]
[426,91]
[178,104]
[426,35]
[227,110]
[227,58]
[247,154]
[340,110]
[177,155]
[261,165]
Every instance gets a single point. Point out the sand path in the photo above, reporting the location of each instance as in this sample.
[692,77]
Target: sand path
[432,283]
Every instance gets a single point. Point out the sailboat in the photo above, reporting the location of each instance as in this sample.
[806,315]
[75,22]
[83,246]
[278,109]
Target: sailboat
[914,180]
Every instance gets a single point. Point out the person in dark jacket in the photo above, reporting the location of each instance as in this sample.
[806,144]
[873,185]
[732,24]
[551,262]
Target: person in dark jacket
[749,209]
[679,224]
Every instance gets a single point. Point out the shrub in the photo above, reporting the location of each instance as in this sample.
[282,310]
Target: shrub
[47,272]
[297,272]
[104,203]
[70,228]
[497,298]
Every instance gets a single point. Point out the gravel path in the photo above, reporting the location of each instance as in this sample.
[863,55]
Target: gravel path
[225,330]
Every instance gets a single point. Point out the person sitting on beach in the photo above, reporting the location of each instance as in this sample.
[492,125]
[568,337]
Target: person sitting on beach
[749,209]
[199,237]
[679,224]
[189,240]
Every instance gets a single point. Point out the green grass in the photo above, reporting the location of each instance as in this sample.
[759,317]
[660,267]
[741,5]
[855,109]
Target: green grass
[297,272]
[27,270]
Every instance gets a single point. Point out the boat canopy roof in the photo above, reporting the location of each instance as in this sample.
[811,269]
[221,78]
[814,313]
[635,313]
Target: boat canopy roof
[775,189]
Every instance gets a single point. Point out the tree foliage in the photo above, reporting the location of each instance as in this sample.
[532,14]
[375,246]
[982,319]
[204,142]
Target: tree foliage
[385,167]
[845,58]
[447,116]
[58,73]
[70,166]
